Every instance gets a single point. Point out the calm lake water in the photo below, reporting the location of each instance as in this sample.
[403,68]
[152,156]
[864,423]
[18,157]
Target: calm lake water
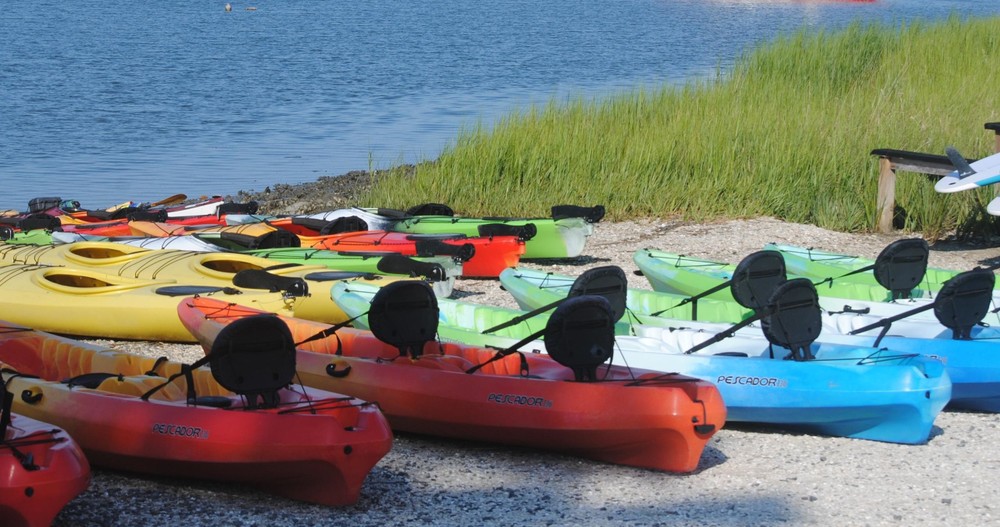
[105,101]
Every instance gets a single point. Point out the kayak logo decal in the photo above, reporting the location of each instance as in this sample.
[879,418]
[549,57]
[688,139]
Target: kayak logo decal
[768,382]
[193,432]
[519,400]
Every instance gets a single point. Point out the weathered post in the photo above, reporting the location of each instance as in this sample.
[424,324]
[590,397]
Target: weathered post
[886,202]
[996,132]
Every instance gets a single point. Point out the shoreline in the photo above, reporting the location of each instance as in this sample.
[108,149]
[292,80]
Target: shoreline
[749,475]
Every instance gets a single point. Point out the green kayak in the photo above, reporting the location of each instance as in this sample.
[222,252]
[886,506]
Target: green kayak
[563,235]
[466,322]
[854,271]
[32,237]
[533,289]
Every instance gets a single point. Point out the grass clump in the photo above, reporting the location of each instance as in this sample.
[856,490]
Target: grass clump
[787,132]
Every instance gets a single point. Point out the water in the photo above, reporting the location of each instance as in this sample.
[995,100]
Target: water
[105,101]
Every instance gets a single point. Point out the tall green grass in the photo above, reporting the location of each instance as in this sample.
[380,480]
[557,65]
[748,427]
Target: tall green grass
[786,133]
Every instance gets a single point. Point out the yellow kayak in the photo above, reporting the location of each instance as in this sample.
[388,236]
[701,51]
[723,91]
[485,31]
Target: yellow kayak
[89,303]
[220,269]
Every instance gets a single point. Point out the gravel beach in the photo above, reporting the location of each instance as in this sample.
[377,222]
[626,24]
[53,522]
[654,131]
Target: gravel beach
[748,475]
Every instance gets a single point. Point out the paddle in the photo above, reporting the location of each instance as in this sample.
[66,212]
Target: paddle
[172,200]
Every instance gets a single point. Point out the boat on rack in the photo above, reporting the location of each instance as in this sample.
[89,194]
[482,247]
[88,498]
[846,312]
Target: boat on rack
[571,402]
[240,419]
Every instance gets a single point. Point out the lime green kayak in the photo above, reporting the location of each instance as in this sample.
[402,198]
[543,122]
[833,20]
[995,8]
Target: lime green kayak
[533,289]
[459,321]
[441,271]
[559,236]
[32,237]
[844,271]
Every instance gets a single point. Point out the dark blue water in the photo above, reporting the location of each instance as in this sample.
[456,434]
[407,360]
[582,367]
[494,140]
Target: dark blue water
[104,101]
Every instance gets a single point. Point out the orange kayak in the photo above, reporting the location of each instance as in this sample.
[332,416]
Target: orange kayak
[626,416]
[138,414]
[483,256]
[41,470]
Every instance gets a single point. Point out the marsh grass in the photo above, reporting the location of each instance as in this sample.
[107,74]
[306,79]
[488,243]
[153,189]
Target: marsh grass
[786,133]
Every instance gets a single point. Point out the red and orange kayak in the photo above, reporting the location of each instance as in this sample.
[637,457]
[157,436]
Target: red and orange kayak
[134,413]
[626,416]
[483,256]
[41,470]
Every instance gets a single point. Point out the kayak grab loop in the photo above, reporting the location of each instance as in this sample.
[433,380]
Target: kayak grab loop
[405,314]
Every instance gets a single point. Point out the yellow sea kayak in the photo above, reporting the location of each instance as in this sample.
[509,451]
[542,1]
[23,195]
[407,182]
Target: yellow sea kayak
[220,269]
[89,303]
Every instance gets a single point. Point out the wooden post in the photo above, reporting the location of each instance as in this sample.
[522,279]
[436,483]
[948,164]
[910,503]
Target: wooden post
[996,131]
[886,204]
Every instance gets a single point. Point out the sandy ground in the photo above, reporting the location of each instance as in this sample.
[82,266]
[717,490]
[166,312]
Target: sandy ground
[748,475]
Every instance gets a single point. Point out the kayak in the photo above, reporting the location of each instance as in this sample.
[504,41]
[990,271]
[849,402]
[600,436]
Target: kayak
[592,410]
[882,394]
[845,269]
[218,269]
[41,468]
[183,243]
[481,256]
[441,271]
[224,422]
[937,329]
[562,235]
[558,236]
[685,278]
[89,303]
[532,289]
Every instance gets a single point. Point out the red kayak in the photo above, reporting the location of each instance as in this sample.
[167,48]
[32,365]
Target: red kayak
[568,405]
[240,420]
[41,469]
[481,256]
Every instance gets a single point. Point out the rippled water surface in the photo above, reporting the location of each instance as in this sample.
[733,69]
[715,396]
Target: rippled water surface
[104,101]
